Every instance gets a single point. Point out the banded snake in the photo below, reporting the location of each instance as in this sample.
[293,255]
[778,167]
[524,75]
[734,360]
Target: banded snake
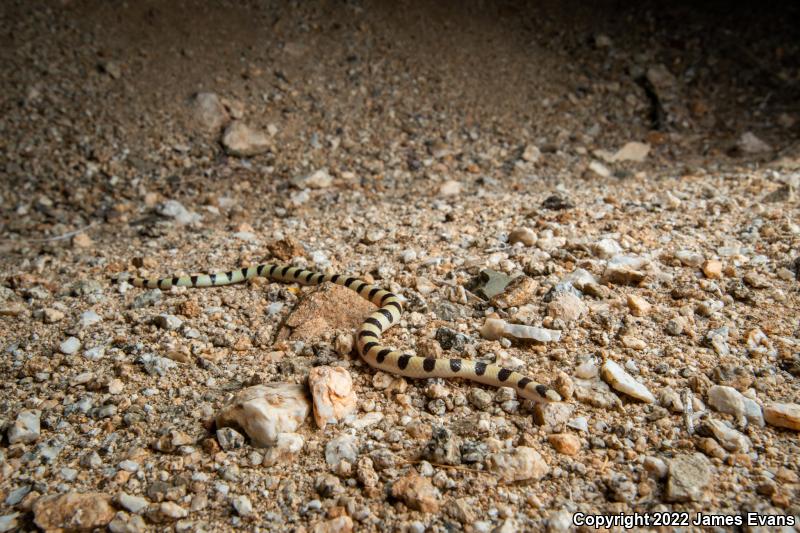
[369,335]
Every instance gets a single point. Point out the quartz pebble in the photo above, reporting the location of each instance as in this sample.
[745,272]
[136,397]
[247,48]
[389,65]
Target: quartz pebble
[496,328]
[625,270]
[620,380]
[749,143]
[172,510]
[69,346]
[341,453]
[264,411]
[729,438]
[89,318]
[176,211]
[26,428]
[730,401]
[450,188]
[8,522]
[689,258]
[287,446]
[332,393]
[587,370]
[242,505]
[133,504]
[605,248]
[632,151]
[531,153]
[521,464]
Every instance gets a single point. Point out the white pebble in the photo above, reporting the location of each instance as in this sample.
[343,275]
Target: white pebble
[70,346]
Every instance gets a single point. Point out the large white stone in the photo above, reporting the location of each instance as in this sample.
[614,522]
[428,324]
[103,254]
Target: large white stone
[265,411]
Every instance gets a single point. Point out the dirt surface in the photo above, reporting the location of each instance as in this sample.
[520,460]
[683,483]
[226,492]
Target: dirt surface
[645,158]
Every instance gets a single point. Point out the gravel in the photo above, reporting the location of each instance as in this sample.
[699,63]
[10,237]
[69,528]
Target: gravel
[615,224]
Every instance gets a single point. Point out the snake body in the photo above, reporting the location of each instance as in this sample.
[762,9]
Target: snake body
[369,335]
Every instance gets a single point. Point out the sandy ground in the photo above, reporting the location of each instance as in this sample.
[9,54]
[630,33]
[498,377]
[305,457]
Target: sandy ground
[639,165]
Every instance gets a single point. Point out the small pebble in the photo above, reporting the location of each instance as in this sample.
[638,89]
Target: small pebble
[70,346]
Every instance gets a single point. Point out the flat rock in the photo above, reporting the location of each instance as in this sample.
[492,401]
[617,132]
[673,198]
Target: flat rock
[689,475]
[329,309]
[265,411]
[521,464]
[241,140]
[784,415]
[73,511]
[332,393]
[620,380]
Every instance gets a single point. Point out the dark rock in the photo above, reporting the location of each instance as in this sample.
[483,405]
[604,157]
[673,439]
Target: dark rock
[449,339]
[443,448]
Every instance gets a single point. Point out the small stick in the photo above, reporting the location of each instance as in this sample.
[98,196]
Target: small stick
[57,238]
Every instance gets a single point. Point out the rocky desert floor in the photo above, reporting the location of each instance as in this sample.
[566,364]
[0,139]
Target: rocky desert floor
[603,198]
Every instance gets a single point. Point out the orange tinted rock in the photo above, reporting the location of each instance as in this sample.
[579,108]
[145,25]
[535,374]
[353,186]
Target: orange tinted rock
[331,308]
